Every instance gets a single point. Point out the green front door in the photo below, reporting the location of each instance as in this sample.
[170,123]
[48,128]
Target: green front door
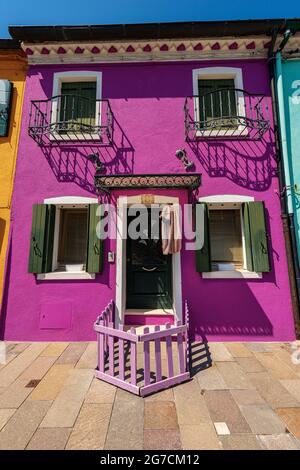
[149,272]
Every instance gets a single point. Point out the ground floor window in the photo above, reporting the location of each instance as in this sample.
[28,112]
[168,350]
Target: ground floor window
[233,236]
[64,239]
[72,239]
[225,228]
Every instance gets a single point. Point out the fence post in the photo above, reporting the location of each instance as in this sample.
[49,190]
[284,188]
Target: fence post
[157,349]
[101,349]
[133,358]
[121,356]
[169,352]
[146,359]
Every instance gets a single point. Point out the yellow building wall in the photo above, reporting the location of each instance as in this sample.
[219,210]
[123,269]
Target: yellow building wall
[12,67]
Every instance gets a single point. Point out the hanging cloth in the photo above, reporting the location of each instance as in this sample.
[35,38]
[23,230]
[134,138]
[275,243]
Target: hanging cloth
[171,229]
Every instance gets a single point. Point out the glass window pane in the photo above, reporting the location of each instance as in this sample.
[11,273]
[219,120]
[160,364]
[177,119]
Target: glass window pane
[226,236]
[72,236]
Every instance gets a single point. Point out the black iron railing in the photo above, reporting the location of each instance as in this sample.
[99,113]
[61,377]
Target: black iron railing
[226,113]
[66,118]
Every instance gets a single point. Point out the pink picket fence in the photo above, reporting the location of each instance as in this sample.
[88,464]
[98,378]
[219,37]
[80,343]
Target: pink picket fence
[141,363]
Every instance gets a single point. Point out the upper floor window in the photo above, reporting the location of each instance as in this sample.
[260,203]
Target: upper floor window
[74,112]
[217,102]
[77,106]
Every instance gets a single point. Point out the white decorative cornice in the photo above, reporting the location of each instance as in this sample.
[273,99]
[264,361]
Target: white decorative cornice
[158,50]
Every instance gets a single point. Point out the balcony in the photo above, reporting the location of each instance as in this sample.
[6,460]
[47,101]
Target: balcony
[71,118]
[226,113]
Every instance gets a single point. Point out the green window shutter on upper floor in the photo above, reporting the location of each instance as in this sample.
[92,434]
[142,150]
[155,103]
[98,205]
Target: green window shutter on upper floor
[203,258]
[6,93]
[95,244]
[41,240]
[78,102]
[256,238]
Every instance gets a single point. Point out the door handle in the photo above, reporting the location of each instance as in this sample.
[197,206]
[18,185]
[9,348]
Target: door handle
[149,269]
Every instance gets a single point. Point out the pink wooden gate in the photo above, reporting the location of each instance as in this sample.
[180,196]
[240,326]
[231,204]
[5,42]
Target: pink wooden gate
[141,363]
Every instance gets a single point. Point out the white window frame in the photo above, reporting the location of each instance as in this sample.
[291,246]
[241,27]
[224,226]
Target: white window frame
[218,73]
[65,202]
[230,201]
[76,76]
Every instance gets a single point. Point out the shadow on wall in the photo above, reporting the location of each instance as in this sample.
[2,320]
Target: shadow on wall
[250,164]
[71,163]
[229,308]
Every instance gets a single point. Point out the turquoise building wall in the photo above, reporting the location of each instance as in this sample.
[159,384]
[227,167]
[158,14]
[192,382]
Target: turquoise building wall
[291,99]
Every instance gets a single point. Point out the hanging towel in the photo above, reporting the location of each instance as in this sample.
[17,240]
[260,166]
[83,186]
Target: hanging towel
[171,229]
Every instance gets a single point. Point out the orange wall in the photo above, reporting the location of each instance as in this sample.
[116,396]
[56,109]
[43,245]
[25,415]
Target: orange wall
[12,67]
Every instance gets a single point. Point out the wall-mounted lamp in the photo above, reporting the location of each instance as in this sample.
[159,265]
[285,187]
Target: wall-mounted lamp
[95,159]
[181,155]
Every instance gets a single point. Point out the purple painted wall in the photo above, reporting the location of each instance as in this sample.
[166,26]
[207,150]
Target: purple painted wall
[147,100]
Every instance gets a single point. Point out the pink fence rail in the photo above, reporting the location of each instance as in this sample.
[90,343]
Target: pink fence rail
[141,363]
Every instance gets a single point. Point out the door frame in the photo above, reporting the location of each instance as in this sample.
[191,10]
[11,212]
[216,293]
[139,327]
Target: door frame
[122,204]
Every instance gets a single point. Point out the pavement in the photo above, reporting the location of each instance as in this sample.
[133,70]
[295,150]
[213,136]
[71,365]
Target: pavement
[247,397]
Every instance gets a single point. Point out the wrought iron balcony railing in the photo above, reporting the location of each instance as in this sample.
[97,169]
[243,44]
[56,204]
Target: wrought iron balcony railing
[226,113]
[67,118]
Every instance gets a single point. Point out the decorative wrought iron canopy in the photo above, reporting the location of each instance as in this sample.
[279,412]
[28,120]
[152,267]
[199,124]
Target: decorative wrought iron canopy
[226,113]
[106,183]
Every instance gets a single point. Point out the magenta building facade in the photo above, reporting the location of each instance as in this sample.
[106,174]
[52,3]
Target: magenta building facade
[146,82]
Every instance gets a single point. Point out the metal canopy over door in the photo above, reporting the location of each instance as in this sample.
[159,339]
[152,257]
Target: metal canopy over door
[149,272]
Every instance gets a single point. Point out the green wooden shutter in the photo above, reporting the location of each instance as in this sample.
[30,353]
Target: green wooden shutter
[41,240]
[256,240]
[6,89]
[247,237]
[217,105]
[78,104]
[95,244]
[203,258]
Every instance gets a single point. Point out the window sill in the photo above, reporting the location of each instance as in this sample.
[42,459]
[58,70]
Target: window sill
[243,274]
[223,133]
[64,275]
[73,136]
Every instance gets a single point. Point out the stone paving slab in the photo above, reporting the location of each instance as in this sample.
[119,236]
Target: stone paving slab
[65,408]
[223,408]
[49,439]
[100,392]
[247,399]
[55,349]
[167,439]
[211,379]
[72,353]
[17,433]
[262,420]
[190,404]
[277,368]
[91,427]
[5,415]
[126,424]
[160,415]
[199,437]
[52,383]
[279,442]
[234,376]
[274,393]
[291,418]
[16,367]
[240,442]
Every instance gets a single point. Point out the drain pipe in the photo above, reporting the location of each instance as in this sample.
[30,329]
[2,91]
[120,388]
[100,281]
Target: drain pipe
[286,185]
